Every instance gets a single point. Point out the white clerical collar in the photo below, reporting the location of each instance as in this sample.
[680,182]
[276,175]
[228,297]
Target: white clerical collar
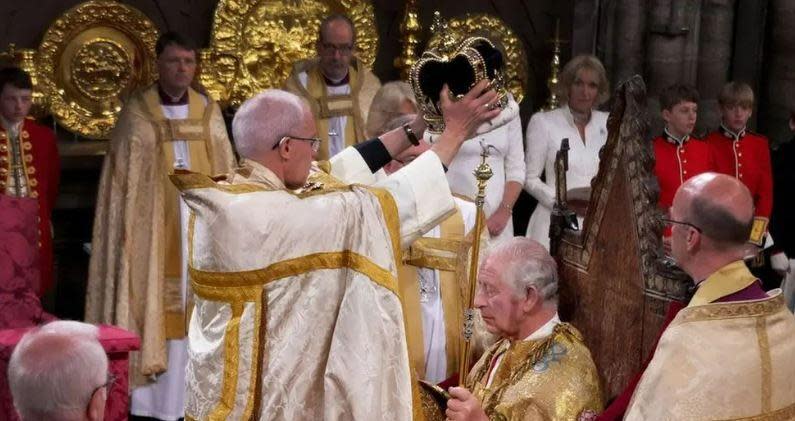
[545,330]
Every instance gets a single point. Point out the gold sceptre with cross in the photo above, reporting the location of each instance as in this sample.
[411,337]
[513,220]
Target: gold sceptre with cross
[482,173]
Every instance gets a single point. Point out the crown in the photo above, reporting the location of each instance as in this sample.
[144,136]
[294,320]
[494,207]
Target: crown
[460,65]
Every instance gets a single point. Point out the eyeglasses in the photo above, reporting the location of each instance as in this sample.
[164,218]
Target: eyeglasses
[675,222]
[314,142]
[343,49]
[110,380]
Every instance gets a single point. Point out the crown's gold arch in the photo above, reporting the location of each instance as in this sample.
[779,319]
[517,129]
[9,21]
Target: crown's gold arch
[255,42]
[493,28]
[445,49]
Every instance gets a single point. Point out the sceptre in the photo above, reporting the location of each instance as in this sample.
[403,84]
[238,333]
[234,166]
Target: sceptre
[482,173]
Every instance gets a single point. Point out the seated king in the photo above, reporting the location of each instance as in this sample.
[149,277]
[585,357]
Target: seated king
[540,369]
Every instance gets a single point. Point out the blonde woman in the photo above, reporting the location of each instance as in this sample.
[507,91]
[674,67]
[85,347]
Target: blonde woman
[583,86]
[393,100]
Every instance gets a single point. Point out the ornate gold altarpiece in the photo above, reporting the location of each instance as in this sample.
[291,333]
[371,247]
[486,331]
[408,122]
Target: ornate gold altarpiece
[89,60]
[96,53]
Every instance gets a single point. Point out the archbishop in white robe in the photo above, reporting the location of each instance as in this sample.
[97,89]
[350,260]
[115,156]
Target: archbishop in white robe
[297,314]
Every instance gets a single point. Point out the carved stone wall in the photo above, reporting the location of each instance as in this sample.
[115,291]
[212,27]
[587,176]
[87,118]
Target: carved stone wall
[706,44]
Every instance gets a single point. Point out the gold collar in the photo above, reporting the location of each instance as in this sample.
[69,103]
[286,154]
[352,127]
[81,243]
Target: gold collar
[727,280]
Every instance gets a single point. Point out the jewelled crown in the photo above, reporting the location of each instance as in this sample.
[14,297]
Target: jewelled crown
[460,65]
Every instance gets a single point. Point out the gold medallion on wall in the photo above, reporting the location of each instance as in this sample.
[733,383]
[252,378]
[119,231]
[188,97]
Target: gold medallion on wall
[255,42]
[497,31]
[92,57]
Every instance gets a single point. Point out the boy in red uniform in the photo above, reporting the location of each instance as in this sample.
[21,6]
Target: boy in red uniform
[678,155]
[743,154]
[29,163]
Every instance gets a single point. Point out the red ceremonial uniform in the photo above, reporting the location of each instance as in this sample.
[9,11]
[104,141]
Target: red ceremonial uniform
[676,161]
[41,168]
[745,155]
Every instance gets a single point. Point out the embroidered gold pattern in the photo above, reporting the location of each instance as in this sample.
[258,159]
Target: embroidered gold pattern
[716,311]
[766,363]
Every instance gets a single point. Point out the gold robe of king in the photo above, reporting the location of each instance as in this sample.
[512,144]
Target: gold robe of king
[547,376]
[138,273]
[296,317]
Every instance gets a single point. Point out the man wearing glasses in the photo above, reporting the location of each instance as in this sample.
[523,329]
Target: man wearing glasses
[297,301]
[337,86]
[60,372]
[138,275]
[728,354]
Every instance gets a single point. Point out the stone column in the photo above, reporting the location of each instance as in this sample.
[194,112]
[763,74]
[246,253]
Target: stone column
[778,96]
[714,59]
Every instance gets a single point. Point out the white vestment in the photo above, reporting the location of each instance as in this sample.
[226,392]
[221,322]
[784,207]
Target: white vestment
[297,314]
[544,134]
[433,325]
[165,397]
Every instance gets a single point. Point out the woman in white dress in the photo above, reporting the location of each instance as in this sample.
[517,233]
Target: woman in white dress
[506,157]
[583,86]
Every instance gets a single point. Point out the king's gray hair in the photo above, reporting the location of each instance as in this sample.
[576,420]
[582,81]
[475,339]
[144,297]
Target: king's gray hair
[264,119]
[526,264]
[54,370]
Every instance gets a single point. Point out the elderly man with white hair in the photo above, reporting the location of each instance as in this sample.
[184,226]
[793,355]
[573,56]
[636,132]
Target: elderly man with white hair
[297,312]
[59,372]
[541,369]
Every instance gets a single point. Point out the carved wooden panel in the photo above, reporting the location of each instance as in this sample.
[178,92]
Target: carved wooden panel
[614,283]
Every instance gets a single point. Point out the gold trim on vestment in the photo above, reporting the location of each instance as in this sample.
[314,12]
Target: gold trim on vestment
[727,280]
[440,254]
[234,287]
[463,197]
[732,310]
[434,253]
[392,219]
[251,412]
[231,365]
[317,97]
[187,180]
[237,288]
[766,364]
[787,413]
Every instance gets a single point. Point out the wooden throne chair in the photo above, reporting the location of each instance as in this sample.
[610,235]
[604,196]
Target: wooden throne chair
[615,282]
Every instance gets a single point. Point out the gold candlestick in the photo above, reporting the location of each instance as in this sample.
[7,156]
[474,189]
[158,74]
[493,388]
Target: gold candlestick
[410,30]
[553,81]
